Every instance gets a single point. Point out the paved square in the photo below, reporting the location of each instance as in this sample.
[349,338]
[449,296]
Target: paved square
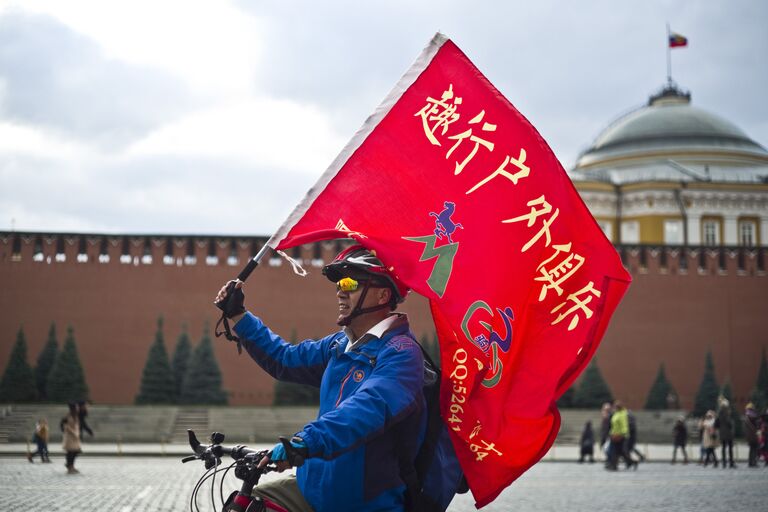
[126,484]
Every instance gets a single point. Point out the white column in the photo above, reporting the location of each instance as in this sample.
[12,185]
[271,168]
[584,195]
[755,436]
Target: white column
[764,231]
[730,230]
[694,229]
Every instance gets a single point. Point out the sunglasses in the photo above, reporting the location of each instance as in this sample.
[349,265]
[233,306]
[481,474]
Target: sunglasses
[347,284]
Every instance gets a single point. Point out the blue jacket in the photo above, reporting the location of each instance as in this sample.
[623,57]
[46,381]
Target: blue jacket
[367,396]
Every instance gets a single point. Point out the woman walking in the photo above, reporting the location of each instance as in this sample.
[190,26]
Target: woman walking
[70,425]
[709,438]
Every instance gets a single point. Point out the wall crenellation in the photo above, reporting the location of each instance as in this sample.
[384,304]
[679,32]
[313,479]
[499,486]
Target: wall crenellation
[191,250]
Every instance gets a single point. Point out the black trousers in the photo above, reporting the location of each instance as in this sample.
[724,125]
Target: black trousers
[71,459]
[729,444]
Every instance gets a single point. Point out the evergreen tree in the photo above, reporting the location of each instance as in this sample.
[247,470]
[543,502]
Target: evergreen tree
[592,391]
[157,382]
[45,362]
[760,393]
[290,393]
[180,364]
[66,382]
[202,383]
[727,393]
[706,398]
[566,399]
[660,391]
[18,382]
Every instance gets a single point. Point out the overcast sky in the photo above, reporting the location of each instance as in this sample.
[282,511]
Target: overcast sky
[215,116]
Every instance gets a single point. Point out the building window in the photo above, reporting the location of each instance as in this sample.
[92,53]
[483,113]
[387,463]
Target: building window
[710,232]
[747,231]
[630,232]
[673,232]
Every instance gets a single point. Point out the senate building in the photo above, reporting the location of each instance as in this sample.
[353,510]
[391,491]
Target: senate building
[680,191]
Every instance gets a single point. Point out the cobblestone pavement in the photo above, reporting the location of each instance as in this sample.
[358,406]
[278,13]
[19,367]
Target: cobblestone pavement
[126,484]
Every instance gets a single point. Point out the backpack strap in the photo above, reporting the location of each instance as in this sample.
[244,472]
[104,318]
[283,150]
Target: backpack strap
[410,469]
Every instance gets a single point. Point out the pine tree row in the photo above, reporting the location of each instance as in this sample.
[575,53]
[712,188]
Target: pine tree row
[192,377]
[58,376]
[592,391]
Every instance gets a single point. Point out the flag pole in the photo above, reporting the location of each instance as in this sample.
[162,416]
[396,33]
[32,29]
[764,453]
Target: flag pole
[252,264]
[669,59]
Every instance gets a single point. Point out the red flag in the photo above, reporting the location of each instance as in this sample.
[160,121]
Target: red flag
[461,197]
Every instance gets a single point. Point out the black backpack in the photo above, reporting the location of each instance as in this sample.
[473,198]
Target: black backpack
[435,476]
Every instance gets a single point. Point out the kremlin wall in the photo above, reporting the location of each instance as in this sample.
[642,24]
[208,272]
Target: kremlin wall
[111,289]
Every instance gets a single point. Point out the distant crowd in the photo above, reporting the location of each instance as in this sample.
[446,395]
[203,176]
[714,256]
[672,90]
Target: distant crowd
[618,437]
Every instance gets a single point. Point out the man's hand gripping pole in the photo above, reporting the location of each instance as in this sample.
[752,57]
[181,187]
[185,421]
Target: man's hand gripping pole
[232,304]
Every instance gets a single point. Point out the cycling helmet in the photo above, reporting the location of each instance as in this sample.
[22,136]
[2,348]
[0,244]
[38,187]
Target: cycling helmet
[358,262]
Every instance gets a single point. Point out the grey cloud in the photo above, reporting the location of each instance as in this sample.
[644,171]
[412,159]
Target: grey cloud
[566,66]
[57,79]
[151,195]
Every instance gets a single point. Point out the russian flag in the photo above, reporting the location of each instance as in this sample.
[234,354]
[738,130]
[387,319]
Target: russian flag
[677,41]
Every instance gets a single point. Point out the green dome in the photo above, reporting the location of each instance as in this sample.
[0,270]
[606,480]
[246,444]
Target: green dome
[669,127]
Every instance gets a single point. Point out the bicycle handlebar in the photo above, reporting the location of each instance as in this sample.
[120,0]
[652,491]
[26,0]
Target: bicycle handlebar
[212,453]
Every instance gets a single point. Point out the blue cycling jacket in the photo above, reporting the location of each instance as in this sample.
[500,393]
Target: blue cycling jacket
[369,396]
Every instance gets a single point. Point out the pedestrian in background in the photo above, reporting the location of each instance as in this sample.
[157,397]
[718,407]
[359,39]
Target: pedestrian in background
[709,438]
[619,434]
[70,426]
[680,438]
[632,439]
[751,428]
[725,430]
[587,443]
[40,438]
[605,429]
[82,413]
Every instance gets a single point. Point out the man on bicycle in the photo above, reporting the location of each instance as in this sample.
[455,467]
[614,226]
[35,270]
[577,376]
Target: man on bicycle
[370,374]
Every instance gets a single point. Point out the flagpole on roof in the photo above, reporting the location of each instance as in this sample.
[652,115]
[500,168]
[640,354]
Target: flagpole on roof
[669,58]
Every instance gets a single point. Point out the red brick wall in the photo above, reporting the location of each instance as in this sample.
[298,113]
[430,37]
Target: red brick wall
[666,317]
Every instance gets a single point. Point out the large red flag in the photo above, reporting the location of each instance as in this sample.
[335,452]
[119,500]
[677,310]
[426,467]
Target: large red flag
[461,197]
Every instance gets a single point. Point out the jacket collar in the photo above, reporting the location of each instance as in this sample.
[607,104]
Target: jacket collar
[394,322]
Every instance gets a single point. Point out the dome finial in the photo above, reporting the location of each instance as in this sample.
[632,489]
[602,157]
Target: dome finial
[670,94]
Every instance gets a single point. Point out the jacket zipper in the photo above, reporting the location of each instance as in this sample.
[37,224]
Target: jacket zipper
[343,382]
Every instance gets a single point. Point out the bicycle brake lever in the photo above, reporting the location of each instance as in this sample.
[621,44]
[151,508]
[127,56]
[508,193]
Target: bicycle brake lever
[189,459]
